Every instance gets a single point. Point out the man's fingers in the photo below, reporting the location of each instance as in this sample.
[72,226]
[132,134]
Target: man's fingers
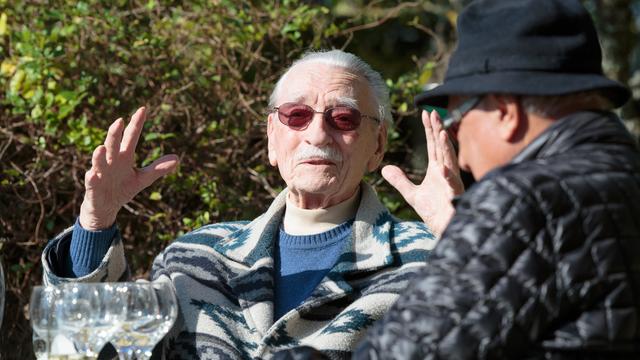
[132,133]
[449,158]
[98,165]
[436,122]
[99,159]
[428,131]
[157,169]
[112,142]
[397,178]
[436,126]
[450,168]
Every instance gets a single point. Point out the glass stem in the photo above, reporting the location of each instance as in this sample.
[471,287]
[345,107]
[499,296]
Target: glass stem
[144,353]
[126,353]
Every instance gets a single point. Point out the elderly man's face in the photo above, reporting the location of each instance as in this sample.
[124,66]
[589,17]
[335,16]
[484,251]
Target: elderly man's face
[321,165]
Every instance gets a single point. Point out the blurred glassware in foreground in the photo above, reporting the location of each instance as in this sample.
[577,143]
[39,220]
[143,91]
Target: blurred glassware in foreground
[90,314]
[76,320]
[163,320]
[151,311]
[44,322]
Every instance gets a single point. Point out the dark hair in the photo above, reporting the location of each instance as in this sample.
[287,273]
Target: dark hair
[554,106]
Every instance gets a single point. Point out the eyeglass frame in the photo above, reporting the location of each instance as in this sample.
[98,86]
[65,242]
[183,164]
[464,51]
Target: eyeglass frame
[276,109]
[455,116]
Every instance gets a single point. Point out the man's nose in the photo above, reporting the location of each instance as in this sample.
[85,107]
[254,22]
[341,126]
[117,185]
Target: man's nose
[319,131]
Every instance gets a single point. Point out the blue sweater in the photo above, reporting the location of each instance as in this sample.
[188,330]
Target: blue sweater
[87,249]
[302,261]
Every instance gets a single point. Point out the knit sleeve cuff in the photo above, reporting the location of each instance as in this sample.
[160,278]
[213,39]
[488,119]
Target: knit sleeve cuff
[88,248]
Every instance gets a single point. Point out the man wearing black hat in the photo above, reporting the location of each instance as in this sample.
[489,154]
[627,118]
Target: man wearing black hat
[542,257]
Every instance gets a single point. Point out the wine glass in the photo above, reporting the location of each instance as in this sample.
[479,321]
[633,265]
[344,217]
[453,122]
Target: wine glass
[41,307]
[42,314]
[108,317]
[90,314]
[139,321]
[164,319]
[40,346]
[75,309]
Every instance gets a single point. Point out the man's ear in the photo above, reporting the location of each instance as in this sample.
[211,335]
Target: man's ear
[376,159]
[512,121]
[271,147]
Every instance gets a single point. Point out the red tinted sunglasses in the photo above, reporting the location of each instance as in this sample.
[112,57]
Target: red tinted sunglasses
[298,116]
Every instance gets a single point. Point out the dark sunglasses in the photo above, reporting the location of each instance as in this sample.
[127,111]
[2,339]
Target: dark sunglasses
[451,119]
[298,116]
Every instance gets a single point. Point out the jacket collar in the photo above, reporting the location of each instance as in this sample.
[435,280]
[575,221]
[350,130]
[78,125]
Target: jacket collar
[573,130]
[368,247]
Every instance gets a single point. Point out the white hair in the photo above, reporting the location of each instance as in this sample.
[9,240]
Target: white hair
[352,63]
[306,151]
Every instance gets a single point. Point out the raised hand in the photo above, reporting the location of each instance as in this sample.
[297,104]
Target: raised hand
[431,199]
[113,179]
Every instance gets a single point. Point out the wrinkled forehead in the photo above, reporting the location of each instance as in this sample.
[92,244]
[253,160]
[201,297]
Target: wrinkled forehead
[332,99]
[313,83]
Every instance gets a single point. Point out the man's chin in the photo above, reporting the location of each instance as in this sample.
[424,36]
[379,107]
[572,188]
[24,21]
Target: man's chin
[323,186]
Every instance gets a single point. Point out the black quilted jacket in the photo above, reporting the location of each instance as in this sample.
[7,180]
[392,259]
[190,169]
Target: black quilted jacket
[542,259]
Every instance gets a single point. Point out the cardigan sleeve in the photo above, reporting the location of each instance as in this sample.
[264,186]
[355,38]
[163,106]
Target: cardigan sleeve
[87,249]
[112,267]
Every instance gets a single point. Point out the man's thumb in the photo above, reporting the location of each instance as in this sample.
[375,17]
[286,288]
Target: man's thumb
[158,169]
[398,179]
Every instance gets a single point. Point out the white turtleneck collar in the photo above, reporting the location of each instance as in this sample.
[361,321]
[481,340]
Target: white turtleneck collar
[298,221]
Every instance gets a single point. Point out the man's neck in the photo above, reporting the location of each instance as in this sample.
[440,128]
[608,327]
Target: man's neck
[298,221]
[537,125]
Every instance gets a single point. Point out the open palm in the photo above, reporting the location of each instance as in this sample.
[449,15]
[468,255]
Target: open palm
[113,179]
[431,199]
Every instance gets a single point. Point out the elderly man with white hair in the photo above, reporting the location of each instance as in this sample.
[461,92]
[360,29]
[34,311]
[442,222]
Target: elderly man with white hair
[324,261]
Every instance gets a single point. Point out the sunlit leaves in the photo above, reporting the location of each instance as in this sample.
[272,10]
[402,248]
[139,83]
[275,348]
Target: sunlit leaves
[426,73]
[4,28]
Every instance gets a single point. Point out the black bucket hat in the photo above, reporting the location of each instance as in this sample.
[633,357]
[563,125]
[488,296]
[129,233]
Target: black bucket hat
[525,47]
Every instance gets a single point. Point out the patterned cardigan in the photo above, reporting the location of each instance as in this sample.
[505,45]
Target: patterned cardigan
[222,275]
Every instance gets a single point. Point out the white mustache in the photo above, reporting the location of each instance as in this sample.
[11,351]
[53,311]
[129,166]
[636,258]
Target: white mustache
[310,152]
